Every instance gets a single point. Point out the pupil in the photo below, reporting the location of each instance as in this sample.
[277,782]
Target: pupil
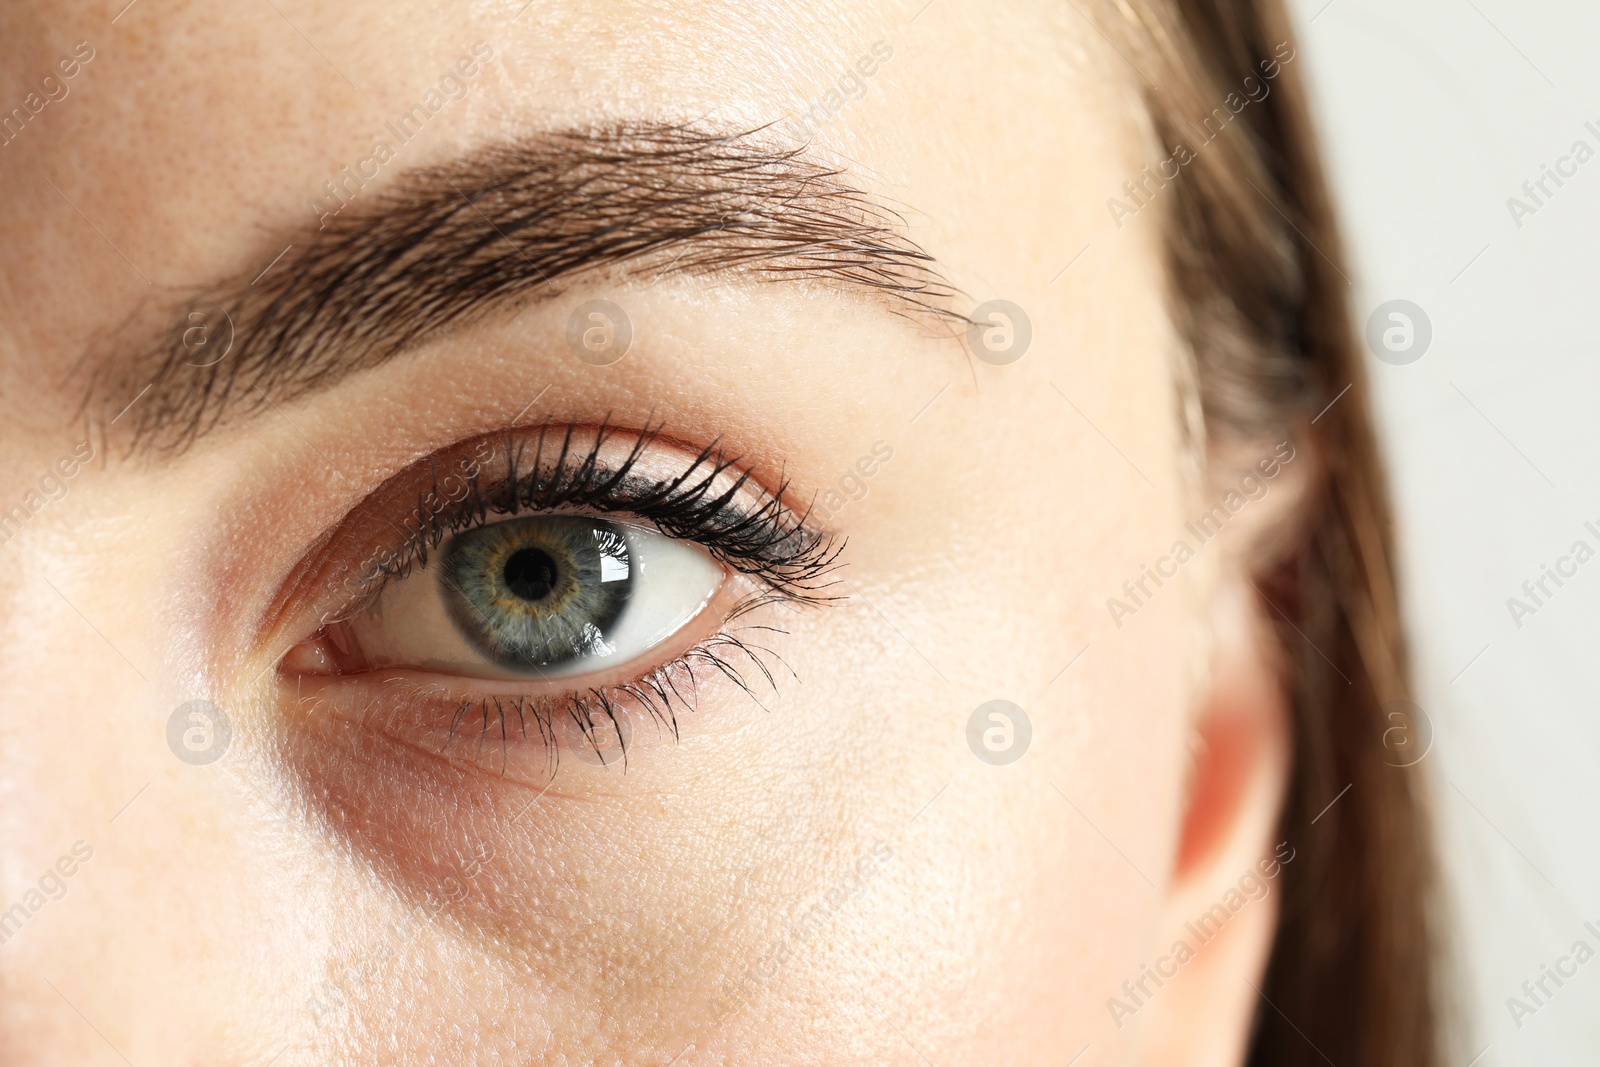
[530,574]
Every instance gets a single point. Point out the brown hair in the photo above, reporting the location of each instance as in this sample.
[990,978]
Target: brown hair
[1258,294]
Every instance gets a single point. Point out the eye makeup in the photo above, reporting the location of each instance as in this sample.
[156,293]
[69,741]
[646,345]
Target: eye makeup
[543,588]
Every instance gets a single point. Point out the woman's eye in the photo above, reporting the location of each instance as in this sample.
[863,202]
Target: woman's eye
[536,596]
[549,586]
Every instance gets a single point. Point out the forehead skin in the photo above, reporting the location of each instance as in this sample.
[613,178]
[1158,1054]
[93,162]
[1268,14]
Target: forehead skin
[194,129]
[217,906]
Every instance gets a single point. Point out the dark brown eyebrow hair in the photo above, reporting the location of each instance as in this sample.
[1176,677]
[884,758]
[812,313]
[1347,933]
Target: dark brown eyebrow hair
[498,228]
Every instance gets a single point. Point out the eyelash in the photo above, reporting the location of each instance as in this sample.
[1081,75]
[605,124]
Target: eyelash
[658,694]
[769,542]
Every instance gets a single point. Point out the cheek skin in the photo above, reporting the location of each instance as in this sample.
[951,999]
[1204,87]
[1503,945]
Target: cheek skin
[1003,884]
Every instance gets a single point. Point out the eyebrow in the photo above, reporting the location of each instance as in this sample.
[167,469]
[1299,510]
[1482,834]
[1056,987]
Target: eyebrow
[497,229]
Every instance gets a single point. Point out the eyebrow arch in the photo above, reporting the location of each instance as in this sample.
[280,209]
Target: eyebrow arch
[500,228]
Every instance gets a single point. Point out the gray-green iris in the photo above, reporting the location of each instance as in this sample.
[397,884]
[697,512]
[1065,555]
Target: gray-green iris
[538,592]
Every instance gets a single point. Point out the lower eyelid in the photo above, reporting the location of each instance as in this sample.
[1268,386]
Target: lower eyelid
[525,738]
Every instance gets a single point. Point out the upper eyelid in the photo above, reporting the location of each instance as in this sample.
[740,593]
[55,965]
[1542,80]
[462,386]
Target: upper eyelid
[692,496]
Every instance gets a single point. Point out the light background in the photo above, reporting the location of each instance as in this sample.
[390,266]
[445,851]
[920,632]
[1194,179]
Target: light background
[1433,113]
